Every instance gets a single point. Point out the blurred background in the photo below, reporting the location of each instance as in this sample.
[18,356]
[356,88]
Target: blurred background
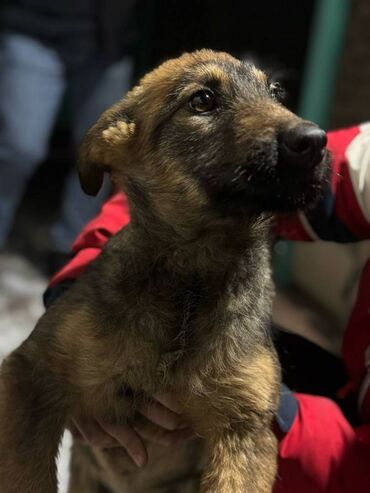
[62,62]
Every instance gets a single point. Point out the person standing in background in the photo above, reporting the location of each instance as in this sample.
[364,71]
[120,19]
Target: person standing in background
[82,48]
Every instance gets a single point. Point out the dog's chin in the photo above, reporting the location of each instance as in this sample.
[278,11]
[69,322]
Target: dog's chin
[273,190]
[270,200]
[296,188]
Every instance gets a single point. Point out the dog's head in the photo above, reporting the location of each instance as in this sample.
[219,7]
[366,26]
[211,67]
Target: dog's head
[203,132]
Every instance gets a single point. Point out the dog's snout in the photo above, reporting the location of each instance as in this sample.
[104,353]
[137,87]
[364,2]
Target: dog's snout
[302,144]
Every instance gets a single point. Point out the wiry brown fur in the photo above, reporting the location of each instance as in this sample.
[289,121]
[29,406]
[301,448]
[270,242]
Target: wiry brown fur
[179,301]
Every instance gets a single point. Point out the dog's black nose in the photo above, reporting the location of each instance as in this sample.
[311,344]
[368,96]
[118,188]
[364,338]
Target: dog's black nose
[302,144]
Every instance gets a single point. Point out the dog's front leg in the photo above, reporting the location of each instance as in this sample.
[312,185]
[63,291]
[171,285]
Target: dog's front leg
[233,411]
[240,461]
[32,414]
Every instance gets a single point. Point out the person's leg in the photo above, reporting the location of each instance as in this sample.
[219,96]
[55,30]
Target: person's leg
[309,369]
[31,87]
[93,88]
[319,451]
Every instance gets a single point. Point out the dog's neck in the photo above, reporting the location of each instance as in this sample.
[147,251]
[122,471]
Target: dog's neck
[207,249]
[189,235]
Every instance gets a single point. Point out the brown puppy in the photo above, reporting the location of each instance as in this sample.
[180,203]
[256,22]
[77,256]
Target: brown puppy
[180,300]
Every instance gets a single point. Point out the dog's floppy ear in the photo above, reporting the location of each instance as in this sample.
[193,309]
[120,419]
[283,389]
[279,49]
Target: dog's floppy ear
[100,145]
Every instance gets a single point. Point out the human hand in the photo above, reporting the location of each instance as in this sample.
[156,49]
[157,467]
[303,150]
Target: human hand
[167,427]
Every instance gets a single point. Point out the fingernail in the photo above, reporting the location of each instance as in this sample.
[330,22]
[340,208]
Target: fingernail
[139,460]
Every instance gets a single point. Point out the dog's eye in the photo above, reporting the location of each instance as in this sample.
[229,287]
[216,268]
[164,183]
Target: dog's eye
[277,91]
[203,101]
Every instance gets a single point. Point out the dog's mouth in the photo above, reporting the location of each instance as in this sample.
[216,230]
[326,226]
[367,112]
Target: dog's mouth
[268,183]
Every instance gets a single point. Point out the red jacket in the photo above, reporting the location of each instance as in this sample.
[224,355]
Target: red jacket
[320,452]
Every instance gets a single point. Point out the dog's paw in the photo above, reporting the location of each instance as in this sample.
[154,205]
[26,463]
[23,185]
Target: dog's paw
[118,133]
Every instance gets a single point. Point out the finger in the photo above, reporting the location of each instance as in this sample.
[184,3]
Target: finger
[92,433]
[130,440]
[165,437]
[169,401]
[161,415]
[74,431]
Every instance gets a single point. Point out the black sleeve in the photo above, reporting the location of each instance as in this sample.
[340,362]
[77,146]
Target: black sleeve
[53,293]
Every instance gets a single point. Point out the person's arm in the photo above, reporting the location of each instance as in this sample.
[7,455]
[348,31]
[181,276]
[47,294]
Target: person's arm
[113,216]
[356,345]
[343,215]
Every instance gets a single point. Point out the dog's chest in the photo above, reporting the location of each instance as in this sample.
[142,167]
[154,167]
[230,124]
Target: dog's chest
[179,322]
[163,321]
[167,309]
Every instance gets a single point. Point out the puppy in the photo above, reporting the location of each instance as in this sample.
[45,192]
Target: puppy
[180,300]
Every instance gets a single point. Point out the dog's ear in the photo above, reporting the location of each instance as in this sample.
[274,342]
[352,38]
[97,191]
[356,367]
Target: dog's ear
[99,147]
